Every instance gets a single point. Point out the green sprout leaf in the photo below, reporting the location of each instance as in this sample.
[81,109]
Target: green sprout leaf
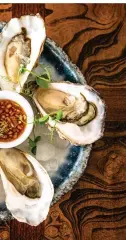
[33,144]
[37,139]
[34,149]
[47,74]
[42,80]
[22,69]
[59,115]
[42,83]
[44,119]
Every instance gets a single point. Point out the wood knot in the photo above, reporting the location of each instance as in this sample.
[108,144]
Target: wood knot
[65,229]
[4,235]
[58,228]
[114,164]
[51,232]
[61,229]
[108,13]
[54,215]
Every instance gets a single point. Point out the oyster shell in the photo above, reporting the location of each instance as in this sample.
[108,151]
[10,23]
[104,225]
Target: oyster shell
[21,42]
[83,111]
[27,186]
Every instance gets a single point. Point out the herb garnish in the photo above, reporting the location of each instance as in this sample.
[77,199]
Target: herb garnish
[42,80]
[58,117]
[33,144]
[42,120]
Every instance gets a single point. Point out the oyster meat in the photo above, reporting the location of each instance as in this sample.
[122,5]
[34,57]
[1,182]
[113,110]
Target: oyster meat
[28,188]
[83,111]
[21,43]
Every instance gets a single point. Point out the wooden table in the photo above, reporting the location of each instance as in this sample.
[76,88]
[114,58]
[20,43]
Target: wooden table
[94,36]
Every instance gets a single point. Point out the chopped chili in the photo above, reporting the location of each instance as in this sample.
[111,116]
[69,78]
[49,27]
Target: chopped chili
[13,120]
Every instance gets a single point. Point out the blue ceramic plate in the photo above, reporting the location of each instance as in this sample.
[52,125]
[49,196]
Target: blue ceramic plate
[64,162]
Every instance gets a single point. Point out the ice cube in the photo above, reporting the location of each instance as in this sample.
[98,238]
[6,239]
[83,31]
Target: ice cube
[45,151]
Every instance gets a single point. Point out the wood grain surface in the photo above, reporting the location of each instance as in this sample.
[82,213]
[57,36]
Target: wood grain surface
[94,36]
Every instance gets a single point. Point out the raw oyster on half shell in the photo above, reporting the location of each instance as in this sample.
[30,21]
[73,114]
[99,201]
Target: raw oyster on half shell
[21,43]
[83,111]
[28,188]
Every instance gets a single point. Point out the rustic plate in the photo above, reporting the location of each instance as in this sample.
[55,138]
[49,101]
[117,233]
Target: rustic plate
[64,162]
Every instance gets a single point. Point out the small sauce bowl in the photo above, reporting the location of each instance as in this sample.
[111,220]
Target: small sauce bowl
[13,96]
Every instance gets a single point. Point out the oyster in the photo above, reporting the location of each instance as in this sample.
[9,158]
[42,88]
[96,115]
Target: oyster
[27,186]
[83,111]
[21,43]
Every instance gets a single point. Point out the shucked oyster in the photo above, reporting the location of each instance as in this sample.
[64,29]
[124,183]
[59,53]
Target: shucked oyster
[21,42]
[83,111]
[27,186]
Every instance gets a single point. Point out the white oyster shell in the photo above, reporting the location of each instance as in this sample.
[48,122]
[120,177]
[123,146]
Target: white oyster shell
[35,32]
[78,135]
[24,209]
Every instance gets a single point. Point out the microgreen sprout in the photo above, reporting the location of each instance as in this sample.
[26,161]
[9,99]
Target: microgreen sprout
[42,80]
[21,69]
[33,144]
[29,89]
[58,117]
[42,120]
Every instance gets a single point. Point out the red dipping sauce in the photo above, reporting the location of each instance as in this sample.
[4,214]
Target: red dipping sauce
[13,120]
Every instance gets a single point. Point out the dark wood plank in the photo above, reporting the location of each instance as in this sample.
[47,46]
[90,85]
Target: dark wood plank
[22,231]
[24,9]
